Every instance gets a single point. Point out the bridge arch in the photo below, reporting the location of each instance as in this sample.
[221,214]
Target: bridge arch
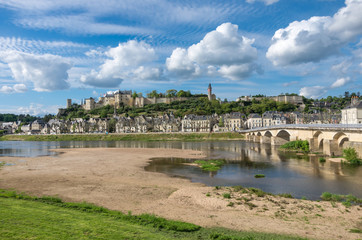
[340,138]
[284,135]
[265,137]
[268,134]
[318,140]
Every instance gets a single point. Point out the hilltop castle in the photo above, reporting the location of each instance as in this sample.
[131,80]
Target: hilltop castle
[127,98]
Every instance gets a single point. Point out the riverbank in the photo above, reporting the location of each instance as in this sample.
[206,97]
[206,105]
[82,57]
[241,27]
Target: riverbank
[128,137]
[115,179]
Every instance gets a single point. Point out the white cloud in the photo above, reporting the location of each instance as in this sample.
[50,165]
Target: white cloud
[131,60]
[267,2]
[313,92]
[17,88]
[181,65]
[317,91]
[92,17]
[342,68]
[94,53]
[238,71]
[80,24]
[287,84]
[6,89]
[40,47]
[224,51]
[20,88]
[47,72]
[36,109]
[340,82]
[316,38]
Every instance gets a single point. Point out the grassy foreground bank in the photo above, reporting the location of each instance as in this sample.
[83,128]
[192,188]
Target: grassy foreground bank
[128,137]
[26,217]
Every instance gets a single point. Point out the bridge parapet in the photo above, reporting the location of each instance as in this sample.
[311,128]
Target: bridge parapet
[329,138]
[330,127]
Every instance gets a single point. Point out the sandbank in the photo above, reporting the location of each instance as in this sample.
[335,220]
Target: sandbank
[116,179]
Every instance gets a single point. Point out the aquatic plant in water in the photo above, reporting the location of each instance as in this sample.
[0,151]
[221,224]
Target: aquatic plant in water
[210,165]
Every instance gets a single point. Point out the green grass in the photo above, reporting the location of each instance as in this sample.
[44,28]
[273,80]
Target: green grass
[210,165]
[226,195]
[259,176]
[347,200]
[354,230]
[127,137]
[298,145]
[26,217]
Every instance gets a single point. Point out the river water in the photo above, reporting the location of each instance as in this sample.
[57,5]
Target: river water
[302,176]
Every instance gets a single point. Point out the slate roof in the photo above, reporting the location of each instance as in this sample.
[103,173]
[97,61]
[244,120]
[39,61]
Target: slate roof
[358,105]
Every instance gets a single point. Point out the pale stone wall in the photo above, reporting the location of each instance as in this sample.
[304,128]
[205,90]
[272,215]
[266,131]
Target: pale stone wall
[89,104]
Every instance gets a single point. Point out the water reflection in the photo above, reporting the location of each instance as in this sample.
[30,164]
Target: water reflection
[302,176]
[285,172]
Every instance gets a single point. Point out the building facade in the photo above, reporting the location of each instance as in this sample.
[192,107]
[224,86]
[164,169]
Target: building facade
[352,114]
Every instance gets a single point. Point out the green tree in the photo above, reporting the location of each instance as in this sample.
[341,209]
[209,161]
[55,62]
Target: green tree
[221,122]
[112,125]
[134,95]
[153,94]
[171,93]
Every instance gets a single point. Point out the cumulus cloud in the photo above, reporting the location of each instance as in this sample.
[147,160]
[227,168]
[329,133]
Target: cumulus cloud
[6,89]
[222,52]
[131,60]
[313,92]
[316,38]
[17,88]
[181,65]
[47,72]
[267,2]
[317,91]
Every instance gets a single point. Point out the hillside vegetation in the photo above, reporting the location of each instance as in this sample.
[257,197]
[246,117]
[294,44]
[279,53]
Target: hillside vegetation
[195,105]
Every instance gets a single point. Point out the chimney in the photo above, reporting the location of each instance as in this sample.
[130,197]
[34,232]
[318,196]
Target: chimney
[354,100]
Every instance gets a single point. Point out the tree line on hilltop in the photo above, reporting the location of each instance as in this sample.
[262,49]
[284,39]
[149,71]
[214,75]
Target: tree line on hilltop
[197,104]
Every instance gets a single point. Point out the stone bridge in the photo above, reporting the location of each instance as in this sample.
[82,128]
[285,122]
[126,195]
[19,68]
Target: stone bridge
[327,138]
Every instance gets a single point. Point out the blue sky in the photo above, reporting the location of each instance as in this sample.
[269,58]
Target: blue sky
[52,50]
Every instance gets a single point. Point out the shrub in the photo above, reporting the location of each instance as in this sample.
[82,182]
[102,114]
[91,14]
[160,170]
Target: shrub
[285,195]
[347,200]
[226,195]
[351,156]
[230,204]
[238,188]
[322,160]
[298,145]
[258,192]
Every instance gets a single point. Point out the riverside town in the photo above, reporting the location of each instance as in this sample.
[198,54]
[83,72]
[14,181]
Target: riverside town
[204,120]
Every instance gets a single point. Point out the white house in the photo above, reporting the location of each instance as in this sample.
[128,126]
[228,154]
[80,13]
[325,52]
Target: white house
[352,114]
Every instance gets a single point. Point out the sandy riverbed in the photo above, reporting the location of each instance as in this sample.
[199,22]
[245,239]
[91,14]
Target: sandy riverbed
[115,178]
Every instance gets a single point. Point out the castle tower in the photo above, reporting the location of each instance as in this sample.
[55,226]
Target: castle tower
[69,103]
[209,92]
